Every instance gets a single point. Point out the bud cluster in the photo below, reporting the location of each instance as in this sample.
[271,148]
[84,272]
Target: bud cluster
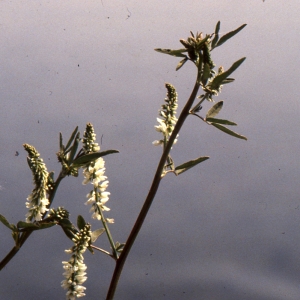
[59,213]
[89,138]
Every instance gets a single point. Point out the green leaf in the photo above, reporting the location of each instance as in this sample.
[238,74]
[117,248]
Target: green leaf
[229,35]
[206,73]
[22,224]
[7,224]
[216,38]
[96,234]
[228,80]
[69,233]
[72,137]
[34,226]
[66,223]
[177,53]
[87,158]
[45,225]
[74,148]
[228,131]
[214,110]
[218,80]
[181,63]
[15,235]
[68,228]
[61,146]
[119,246]
[220,121]
[80,222]
[184,167]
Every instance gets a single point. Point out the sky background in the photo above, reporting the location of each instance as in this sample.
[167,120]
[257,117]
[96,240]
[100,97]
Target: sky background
[227,229]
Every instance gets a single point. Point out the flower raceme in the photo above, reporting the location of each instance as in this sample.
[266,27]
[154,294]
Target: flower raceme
[98,196]
[37,201]
[75,268]
[94,173]
[168,114]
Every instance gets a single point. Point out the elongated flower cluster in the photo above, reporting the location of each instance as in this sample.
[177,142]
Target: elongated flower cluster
[75,268]
[89,138]
[94,173]
[168,114]
[37,201]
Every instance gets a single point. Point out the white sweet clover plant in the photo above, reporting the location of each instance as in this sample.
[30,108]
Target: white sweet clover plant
[197,49]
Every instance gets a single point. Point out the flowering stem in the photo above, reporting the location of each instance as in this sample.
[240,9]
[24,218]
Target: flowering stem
[154,187]
[25,235]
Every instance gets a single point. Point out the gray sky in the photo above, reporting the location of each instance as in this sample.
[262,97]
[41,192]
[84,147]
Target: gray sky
[227,229]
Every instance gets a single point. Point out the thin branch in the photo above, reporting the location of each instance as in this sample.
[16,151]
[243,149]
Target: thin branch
[155,184]
[103,251]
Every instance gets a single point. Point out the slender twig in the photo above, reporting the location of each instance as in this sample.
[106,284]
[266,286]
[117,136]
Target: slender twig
[155,184]
[103,251]
[193,114]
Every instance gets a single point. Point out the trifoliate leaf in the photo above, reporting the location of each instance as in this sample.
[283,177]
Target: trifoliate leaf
[214,110]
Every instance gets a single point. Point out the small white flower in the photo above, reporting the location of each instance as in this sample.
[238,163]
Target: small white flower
[157,143]
[161,127]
